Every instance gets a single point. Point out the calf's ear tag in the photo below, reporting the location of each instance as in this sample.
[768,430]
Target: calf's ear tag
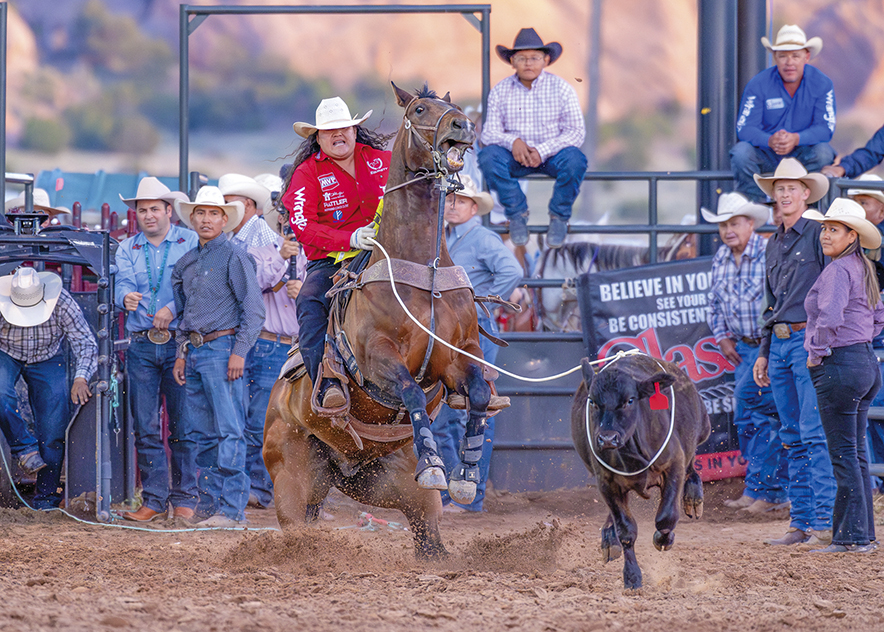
[658,400]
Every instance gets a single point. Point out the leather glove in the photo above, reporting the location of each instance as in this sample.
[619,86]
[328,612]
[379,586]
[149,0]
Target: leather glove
[359,238]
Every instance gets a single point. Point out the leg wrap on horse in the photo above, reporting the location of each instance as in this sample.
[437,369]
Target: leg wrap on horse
[430,470]
[465,478]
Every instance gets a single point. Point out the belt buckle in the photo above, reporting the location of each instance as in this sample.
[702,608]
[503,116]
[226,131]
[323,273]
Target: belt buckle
[196,339]
[781,331]
[159,336]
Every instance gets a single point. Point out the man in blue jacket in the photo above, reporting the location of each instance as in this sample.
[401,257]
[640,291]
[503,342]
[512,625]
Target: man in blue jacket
[788,110]
[861,160]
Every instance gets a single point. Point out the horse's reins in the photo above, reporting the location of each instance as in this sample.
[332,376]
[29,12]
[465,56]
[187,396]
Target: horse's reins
[439,172]
[609,362]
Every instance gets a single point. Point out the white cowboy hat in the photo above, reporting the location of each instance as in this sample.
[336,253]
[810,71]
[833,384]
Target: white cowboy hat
[734,204]
[272,183]
[872,193]
[792,169]
[852,215]
[330,114]
[791,37]
[236,184]
[41,203]
[27,297]
[151,188]
[482,199]
[212,196]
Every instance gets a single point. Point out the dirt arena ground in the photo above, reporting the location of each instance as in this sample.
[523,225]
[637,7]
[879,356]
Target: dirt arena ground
[531,562]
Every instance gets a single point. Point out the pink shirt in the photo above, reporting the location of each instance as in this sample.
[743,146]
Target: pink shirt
[281,317]
[837,307]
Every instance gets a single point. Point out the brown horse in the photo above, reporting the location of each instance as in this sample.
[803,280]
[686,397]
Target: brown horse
[368,454]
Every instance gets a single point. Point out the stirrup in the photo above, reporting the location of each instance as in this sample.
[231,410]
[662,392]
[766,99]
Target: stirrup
[317,406]
[456,401]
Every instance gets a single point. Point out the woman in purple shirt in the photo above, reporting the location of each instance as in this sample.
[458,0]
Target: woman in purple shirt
[844,313]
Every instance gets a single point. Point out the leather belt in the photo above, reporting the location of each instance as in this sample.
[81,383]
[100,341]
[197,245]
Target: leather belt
[156,336]
[266,335]
[752,342]
[783,331]
[197,339]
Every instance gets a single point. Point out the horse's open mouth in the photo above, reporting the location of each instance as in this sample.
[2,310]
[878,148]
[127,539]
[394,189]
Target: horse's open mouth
[454,151]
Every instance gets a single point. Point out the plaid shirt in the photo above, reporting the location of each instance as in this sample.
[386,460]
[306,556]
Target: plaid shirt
[254,234]
[737,292]
[547,117]
[42,342]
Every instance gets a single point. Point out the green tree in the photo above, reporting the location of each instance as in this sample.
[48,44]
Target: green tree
[45,135]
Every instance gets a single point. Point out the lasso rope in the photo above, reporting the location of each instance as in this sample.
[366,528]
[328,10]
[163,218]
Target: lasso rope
[623,354]
[461,351]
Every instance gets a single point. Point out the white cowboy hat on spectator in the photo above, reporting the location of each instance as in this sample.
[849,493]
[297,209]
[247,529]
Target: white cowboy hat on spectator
[212,196]
[236,184]
[151,188]
[791,37]
[734,204]
[481,198]
[792,169]
[273,183]
[330,114]
[872,193]
[27,297]
[852,215]
[41,203]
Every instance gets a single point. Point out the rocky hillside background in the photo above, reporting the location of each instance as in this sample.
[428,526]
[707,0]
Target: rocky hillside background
[96,80]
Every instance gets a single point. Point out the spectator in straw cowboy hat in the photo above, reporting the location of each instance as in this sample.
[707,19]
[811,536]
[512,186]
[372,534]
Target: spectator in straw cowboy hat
[493,270]
[36,315]
[216,293]
[794,260]
[271,254]
[41,205]
[787,110]
[534,125]
[844,313]
[144,289]
[737,290]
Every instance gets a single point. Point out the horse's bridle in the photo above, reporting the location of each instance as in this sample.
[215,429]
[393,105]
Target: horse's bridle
[452,185]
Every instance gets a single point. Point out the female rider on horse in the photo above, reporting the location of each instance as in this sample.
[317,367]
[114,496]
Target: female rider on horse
[339,176]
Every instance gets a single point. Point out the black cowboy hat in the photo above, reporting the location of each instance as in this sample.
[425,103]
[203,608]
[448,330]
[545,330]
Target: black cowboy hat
[528,39]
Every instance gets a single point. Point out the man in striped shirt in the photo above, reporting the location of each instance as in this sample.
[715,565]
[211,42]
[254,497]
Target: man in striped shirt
[738,271]
[533,125]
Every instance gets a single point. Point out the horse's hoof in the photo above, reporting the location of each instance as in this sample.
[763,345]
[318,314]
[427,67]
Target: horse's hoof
[664,541]
[432,478]
[462,492]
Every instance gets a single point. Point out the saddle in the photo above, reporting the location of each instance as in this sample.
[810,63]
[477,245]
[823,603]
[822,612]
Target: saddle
[340,363]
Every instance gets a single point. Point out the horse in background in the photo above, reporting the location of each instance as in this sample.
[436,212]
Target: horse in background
[557,308]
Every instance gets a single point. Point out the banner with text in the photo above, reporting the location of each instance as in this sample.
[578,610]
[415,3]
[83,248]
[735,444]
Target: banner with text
[661,310]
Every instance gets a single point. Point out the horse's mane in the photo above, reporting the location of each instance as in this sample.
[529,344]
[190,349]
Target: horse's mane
[425,93]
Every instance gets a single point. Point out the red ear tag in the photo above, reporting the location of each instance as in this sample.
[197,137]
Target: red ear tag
[658,400]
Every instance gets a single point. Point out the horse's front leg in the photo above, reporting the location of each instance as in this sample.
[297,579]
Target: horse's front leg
[430,470]
[465,477]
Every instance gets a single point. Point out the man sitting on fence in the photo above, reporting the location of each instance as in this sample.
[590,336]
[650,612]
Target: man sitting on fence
[37,314]
[534,125]
[787,110]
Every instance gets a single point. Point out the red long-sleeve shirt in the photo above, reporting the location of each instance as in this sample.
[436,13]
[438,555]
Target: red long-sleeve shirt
[326,204]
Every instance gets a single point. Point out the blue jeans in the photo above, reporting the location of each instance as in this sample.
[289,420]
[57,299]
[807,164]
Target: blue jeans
[766,472]
[51,404]
[149,368]
[502,173]
[811,484]
[450,426]
[217,408]
[312,306]
[748,160]
[846,382]
[262,368]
